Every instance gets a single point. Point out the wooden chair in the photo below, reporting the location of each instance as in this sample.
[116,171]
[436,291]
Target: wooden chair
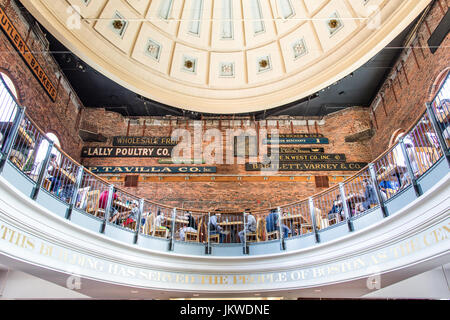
[302,226]
[254,236]
[92,203]
[266,235]
[151,229]
[194,236]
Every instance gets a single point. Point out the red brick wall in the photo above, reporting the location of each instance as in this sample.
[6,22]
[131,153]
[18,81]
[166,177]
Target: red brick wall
[405,96]
[58,117]
[239,194]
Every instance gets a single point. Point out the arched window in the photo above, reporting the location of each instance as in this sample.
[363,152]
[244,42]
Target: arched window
[7,104]
[9,84]
[42,150]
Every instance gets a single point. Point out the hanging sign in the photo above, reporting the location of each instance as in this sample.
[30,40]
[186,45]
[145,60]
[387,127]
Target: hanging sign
[26,54]
[185,169]
[297,141]
[118,152]
[312,157]
[143,141]
[296,150]
[350,166]
[296,135]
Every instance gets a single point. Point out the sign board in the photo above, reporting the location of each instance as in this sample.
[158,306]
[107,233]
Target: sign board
[296,135]
[297,141]
[296,150]
[185,169]
[350,166]
[129,152]
[312,157]
[26,54]
[143,141]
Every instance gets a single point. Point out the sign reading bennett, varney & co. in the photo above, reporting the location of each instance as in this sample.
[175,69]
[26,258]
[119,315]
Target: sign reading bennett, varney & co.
[118,152]
[143,141]
[185,169]
[349,166]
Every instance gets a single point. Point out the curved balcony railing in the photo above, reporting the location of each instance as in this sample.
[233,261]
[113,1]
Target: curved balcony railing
[53,173]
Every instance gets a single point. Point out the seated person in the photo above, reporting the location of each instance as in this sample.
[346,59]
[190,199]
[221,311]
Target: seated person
[131,216]
[159,221]
[191,226]
[250,225]
[53,173]
[336,209]
[214,227]
[370,196]
[103,202]
[387,187]
[272,224]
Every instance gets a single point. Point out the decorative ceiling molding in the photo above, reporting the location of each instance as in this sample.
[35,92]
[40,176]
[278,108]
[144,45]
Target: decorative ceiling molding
[226,56]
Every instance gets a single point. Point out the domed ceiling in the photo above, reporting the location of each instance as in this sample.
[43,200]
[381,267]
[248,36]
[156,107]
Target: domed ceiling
[225,56]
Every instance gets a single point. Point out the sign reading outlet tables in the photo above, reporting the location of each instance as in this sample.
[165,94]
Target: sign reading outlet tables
[26,54]
[128,152]
[185,169]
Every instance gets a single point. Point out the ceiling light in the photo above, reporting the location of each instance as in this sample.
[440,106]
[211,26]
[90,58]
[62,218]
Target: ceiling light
[318,290]
[134,291]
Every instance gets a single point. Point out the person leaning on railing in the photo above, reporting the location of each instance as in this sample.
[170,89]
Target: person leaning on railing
[103,201]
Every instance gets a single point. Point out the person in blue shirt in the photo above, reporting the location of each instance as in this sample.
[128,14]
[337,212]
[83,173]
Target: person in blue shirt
[370,197]
[272,224]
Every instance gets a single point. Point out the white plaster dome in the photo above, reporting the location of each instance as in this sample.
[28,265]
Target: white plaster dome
[225,56]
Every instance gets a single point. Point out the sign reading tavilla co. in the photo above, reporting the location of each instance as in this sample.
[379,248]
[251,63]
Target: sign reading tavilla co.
[117,152]
[186,169]
[16,39]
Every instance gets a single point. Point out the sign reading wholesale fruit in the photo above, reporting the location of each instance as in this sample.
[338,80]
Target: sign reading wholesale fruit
[185,169]
[129,152]
[350,166]
[26,54]
[143,141]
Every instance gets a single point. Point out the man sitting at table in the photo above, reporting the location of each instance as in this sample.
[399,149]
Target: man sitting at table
[272,223]
[159,222]
[250,224]
[128,217]
[191,226]
[336,209]
[214,227]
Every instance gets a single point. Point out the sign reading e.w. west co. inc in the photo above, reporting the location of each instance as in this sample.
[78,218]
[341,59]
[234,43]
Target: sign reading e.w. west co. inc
[26,54]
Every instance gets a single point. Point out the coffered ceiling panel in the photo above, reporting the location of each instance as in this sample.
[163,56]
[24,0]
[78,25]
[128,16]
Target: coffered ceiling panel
[225,56]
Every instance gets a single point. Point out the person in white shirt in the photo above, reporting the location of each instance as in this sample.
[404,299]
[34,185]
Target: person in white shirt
[250,225]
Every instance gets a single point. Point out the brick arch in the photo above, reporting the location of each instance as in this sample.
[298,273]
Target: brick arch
[439,79]
[14,82]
